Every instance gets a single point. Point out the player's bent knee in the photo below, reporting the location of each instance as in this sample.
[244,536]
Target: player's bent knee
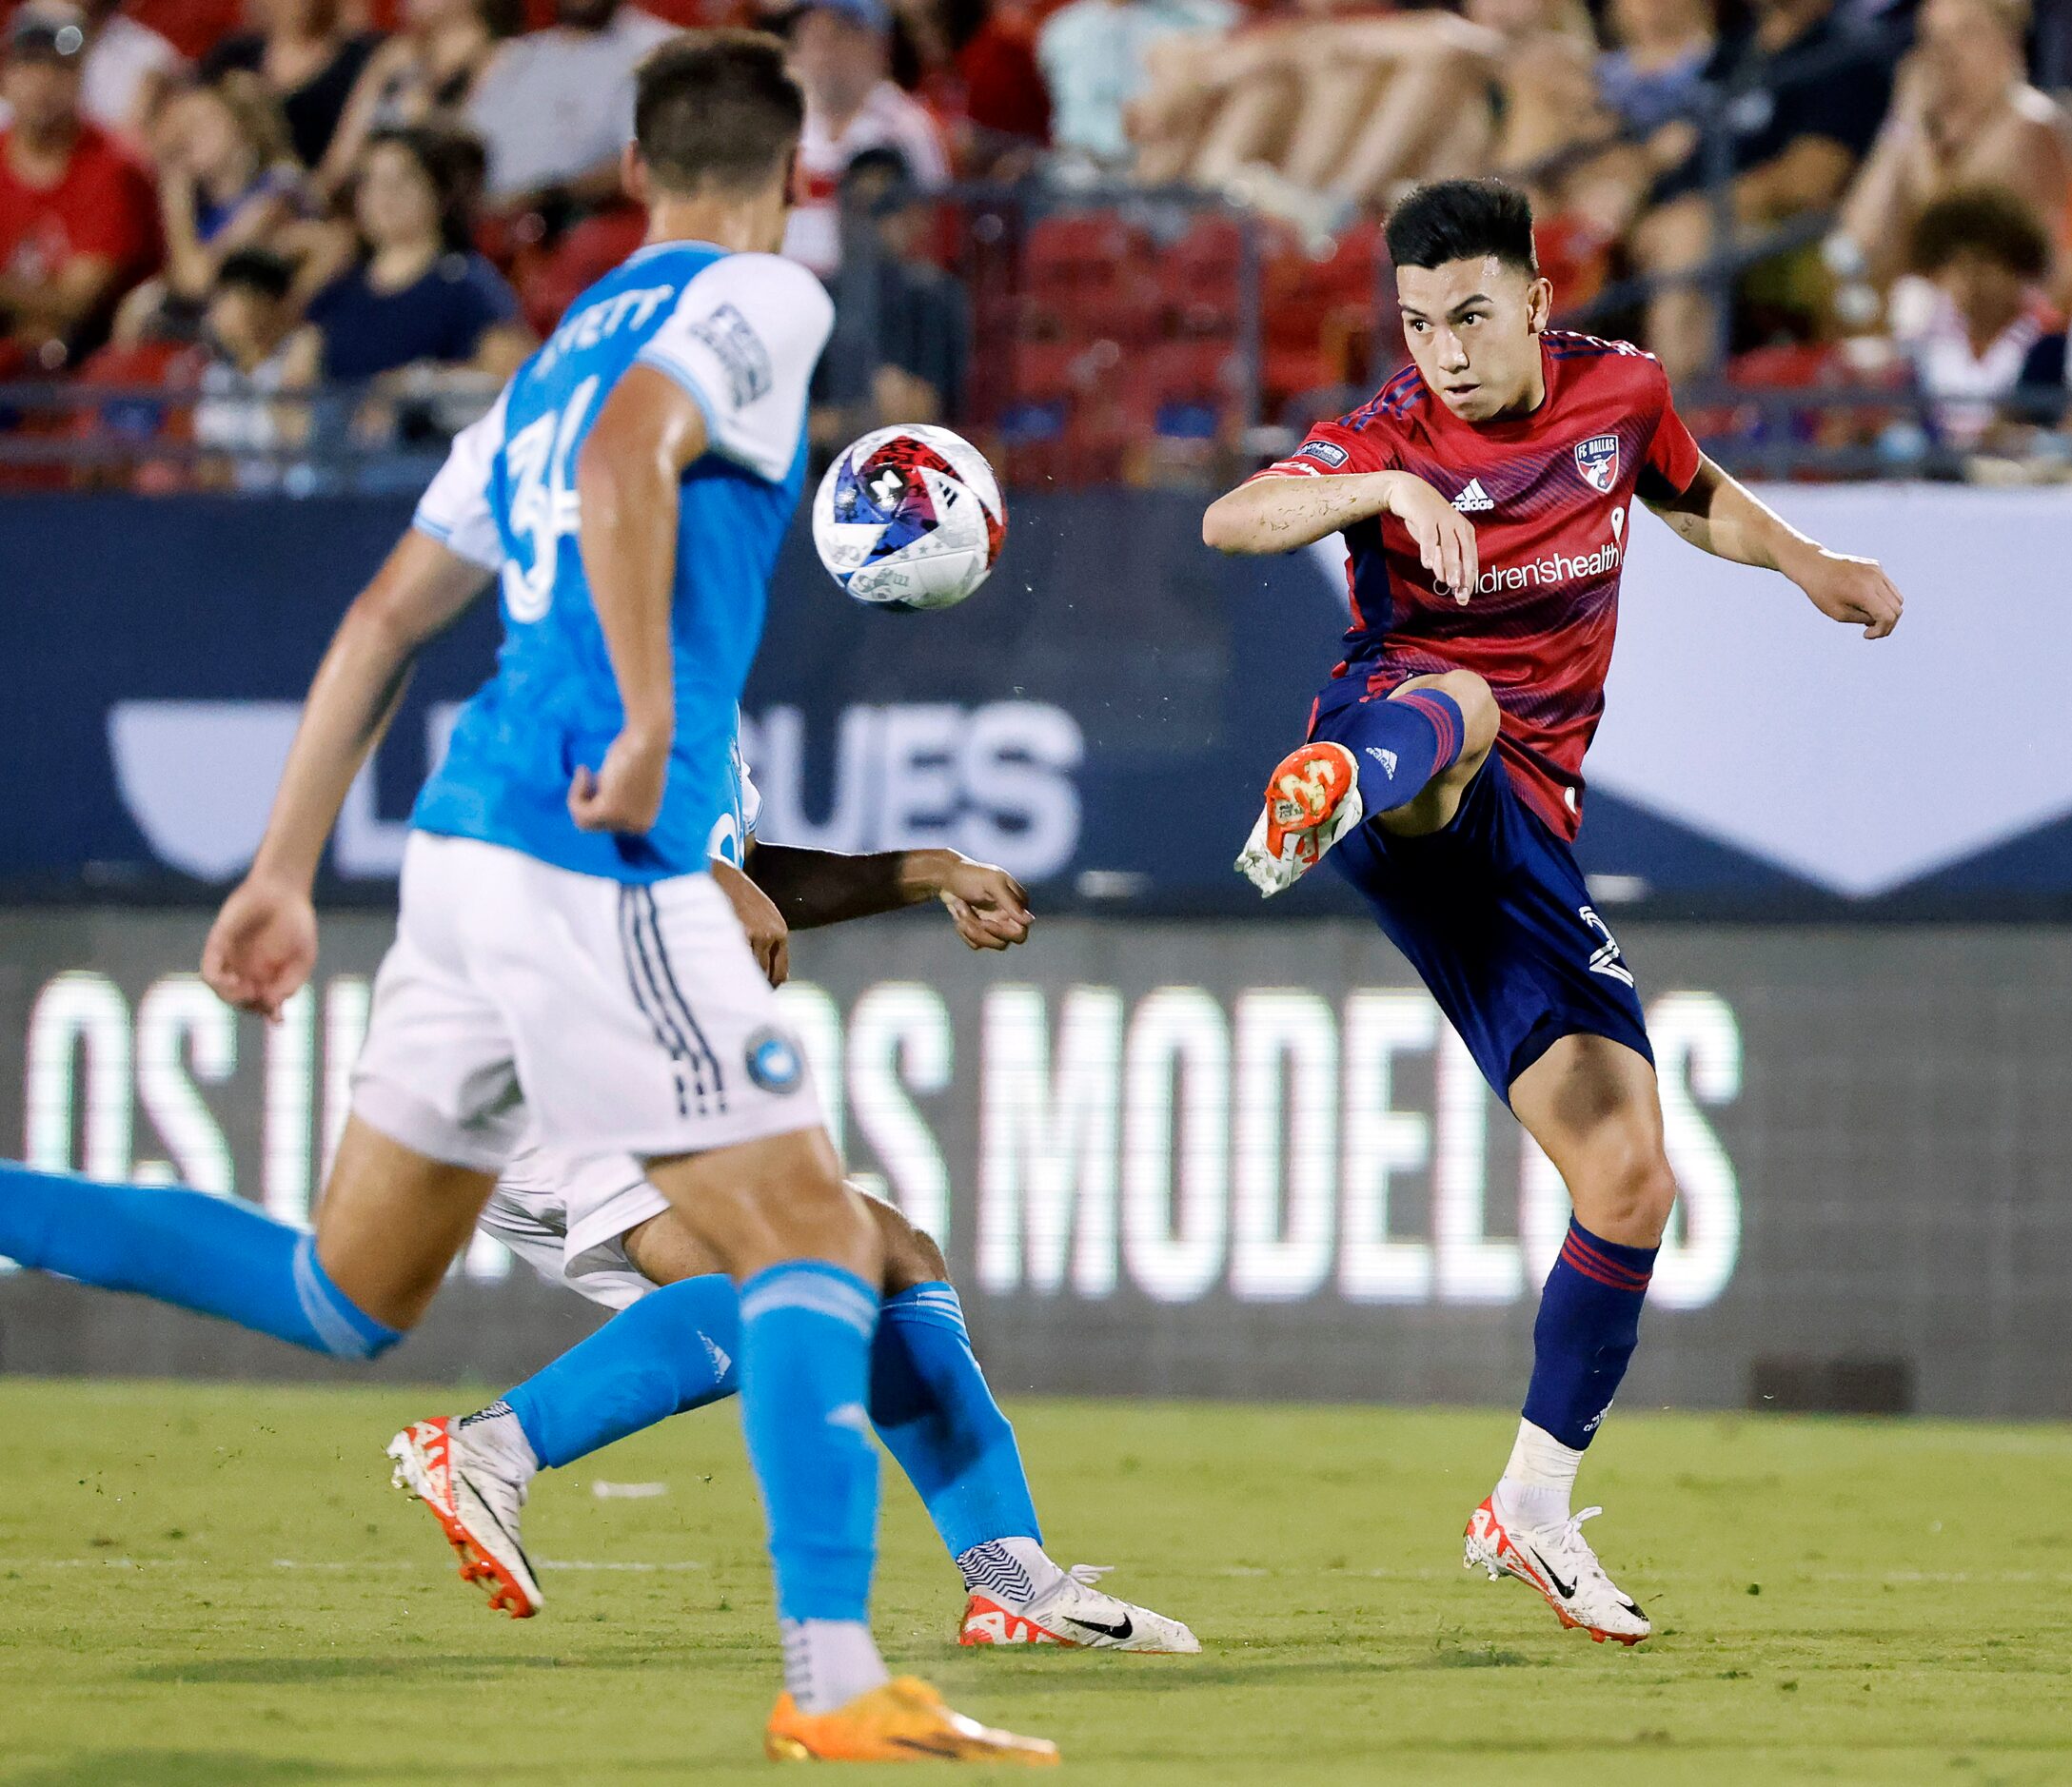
[911,1256]
[1633,1196]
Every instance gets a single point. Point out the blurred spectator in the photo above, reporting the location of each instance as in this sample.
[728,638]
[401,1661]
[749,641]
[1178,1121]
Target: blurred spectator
[1544,100]
[1334,105]
[1804,101]
[129,69]
[424,75]
[76,226]
[259,352]
[419,295]
[1969,325]
[979,77]
[902,327]
[309,59]
[555,106]
[1963,114]
[839,55]
[1655,73]
[1097,56]
[226,178]
[1646,90]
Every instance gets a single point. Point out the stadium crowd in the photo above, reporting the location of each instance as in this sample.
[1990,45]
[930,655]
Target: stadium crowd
[399,196]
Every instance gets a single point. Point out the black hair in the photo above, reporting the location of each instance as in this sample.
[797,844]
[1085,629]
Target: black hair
[256,270]
[879,161]
[1463,220]
[717,108]
[1992,221]
[453,165]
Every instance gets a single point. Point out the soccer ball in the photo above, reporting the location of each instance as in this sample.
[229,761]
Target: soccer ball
[910,518]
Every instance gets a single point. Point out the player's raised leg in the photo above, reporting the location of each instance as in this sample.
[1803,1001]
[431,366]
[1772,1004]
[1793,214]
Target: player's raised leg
[1590,1103]
[1403,759]
[389,1226]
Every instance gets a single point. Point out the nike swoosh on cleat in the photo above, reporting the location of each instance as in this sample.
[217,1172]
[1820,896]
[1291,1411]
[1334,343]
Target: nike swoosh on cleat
[1566,1590]
[923,1748]
[1120,1633]
[494,1520]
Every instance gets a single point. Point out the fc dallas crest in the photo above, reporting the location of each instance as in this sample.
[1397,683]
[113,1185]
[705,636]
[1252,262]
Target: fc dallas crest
[1597,458]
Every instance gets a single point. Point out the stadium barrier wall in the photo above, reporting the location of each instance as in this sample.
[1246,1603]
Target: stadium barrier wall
[1101,716]
[1216,1159]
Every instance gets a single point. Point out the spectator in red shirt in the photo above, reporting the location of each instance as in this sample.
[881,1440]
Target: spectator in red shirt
[76,214]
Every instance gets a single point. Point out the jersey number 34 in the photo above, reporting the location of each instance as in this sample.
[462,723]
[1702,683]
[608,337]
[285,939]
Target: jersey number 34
[542,500]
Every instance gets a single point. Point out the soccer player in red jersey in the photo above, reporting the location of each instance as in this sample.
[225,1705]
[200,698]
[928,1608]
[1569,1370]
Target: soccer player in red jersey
[1484,495]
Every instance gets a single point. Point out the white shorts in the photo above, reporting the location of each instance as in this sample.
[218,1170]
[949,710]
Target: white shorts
[568,1219]
[597,1017]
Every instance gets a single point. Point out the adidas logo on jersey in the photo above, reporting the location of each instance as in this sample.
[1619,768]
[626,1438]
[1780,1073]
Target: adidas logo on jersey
[1474,499]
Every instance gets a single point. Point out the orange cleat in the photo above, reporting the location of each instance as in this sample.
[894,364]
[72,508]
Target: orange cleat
[1312,799]
[477,1508]
[903,1721]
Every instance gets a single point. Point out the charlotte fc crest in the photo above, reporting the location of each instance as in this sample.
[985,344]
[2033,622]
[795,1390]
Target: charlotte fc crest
[1597,458]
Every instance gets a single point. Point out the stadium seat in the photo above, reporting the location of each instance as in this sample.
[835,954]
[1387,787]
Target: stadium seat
[548,284]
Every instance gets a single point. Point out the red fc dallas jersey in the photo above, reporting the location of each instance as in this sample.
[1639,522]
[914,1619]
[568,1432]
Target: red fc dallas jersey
[1549,495]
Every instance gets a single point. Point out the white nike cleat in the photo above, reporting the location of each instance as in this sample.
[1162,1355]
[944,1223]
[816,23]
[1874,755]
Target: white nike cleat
[475,1498]
[1074,1613]
[1312,800]
[1558,1562]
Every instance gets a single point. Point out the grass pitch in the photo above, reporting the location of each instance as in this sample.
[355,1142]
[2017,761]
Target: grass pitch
[205,1587]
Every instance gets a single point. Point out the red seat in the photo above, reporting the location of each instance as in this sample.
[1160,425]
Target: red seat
[547,284]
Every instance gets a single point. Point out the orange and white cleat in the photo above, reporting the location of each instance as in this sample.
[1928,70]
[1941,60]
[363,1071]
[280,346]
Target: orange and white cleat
[902,1722]
[1312,799]
[476,1500]
[1072,1612]
[1558,1562]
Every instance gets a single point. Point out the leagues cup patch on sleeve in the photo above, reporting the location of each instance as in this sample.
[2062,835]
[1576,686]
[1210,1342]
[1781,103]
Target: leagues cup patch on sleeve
[1324,452]
[739,349]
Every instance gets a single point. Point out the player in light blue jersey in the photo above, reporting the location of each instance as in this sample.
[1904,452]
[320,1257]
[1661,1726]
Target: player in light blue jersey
[564,967]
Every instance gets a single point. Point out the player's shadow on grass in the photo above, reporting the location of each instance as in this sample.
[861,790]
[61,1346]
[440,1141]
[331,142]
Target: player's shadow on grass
[437,1665]
[229,1768]
[178,1768]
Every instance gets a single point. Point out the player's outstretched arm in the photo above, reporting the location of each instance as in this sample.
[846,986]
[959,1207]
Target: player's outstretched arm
[825,887]
[1277,514]
[264,942]
[628,481]
[1719,515]
[786,890]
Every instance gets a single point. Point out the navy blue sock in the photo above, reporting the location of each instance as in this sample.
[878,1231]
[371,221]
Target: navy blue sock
[1399,744]
[935,1412]
[672,1351]
[216,1256]
[806,1330]
[1587,1326]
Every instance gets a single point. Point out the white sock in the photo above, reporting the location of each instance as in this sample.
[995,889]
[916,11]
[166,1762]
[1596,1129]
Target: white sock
[1015,1570]
[828,1662]
[495,1431]
[1538,1478]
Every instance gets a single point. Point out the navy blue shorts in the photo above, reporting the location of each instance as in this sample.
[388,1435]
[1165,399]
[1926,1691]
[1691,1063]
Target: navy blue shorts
[1494,915]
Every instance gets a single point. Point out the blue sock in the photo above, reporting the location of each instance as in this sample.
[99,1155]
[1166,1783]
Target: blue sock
[806,1330]
[1399,744]
[937,1415]
[1587,1326]
[216,1256]
[672,1351]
